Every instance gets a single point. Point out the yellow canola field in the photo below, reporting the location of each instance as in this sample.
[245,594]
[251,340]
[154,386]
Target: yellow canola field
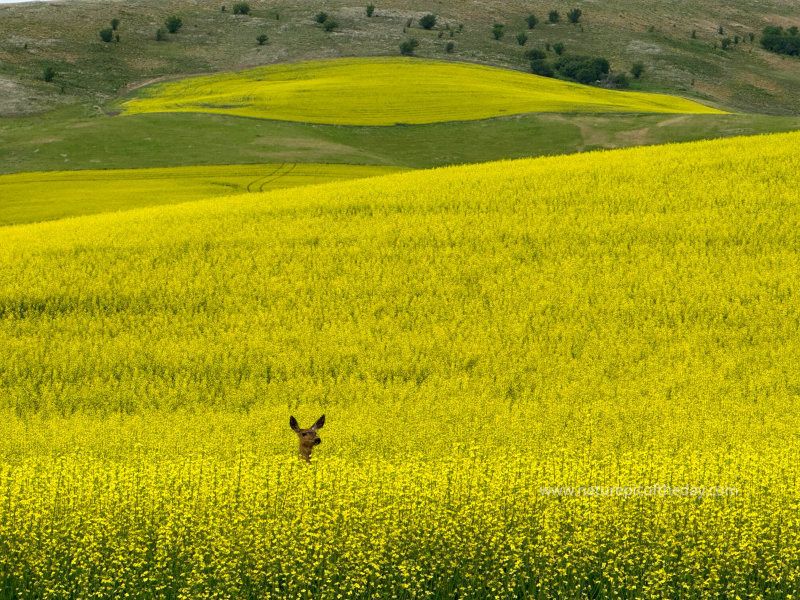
[42,196]
[568,377]
[388,91]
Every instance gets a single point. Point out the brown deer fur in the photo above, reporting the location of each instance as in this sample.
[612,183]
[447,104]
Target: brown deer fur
[308,437]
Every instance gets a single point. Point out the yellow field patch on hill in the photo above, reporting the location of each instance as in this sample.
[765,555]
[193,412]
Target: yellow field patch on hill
[388,91]
[27,197]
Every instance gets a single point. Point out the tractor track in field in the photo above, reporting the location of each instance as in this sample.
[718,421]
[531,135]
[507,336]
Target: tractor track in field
[270,177]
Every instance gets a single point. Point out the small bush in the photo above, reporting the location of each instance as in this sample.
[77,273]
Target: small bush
[408,46]
[637,69]
[161,34]
[694,34]
[223,8]
[553,16]
[114,24]
[330,25]
[574,15]
[428,21]
[752,36]
[541,67]
[409,22]
[241,8]
[621,81]
[558,48]
[173,24]
[535,54]
[721,31]
[532,21]
[726,43]
[49,74]
[497,30]
[522,39]
[370,9]
[107,34]
[321,17]
[262,39]
[449,47]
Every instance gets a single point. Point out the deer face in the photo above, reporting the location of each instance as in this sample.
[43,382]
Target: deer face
[308,437]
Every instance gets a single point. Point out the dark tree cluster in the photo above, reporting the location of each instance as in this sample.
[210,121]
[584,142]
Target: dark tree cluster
[781,41]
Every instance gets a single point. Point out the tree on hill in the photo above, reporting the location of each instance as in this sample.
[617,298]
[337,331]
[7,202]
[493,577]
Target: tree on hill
[106,34]
[173,24]
[114,24]
[522,39]
[553,16]
[532,21]
[776,39]
[574,15]
[583,69]
[262,39]
[329,25]
[428,21]
[241,8]
[408,46]
[321,17]
[497,30]
[637,69]
[370,9]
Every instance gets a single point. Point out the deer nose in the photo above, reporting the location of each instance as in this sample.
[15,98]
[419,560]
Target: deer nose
[317,441]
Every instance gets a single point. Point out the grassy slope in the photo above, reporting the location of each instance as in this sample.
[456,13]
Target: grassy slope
[70,139]
[389,91]
[40,196]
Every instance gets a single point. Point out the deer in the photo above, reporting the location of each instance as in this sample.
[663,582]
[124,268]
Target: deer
[308,437]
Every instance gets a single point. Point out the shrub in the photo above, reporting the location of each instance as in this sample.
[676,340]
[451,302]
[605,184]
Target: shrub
[262,39]
[558,48]
[449,47]
[522,39]
[621,80]
[721,31]
[161,34]
[583,69]
[541,67]
[752,36]
[694,34]
[330,25]
[241,8]
[497,30]
[535,54]
[637,69]
[574,15]
[553,16]
[409,22]
[114,24]
[370,9]
[107,34]
[321,17]
[532,21]
[428,21]
[173,24]
[223,8]
[408,46]
[48,74]
[726,43]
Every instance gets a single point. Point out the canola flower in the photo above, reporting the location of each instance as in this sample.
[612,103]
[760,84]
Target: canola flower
[475,335]
[388,91]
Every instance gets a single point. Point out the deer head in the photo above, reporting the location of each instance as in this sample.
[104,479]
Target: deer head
[308,437]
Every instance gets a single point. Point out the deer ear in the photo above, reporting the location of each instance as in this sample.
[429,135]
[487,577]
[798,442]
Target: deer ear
[318,425]
[293,424]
